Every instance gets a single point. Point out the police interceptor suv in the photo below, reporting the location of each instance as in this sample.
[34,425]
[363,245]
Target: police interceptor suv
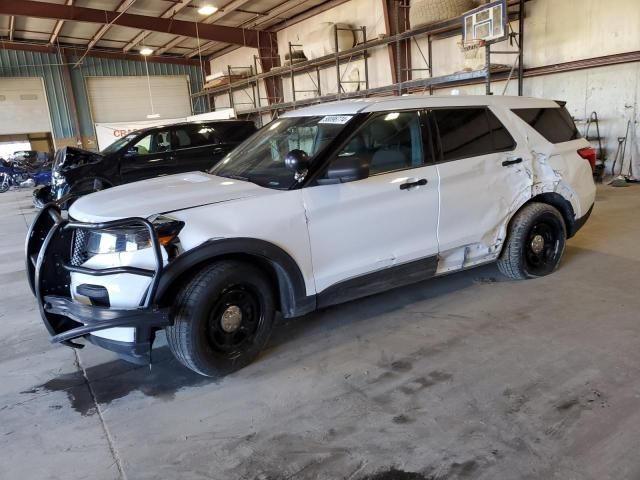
[325,204]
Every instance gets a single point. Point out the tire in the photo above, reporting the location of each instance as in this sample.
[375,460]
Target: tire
[5,182]
[222,318]
[535,243]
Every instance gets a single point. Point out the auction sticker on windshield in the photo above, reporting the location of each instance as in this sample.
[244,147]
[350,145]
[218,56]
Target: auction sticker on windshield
[336,119]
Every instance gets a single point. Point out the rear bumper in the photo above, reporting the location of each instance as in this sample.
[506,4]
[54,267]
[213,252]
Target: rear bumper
[48,258]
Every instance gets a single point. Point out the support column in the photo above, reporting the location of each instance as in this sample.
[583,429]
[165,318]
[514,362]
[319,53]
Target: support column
[269,58]
[396,18]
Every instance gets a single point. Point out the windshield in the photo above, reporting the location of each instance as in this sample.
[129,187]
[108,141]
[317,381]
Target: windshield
[118,144]
[260,159]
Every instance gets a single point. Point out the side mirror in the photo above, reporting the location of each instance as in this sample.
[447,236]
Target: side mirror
[345,169]
[298,161]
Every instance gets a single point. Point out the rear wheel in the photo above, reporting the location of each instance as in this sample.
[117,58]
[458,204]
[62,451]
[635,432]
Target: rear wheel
[222,318]
[535,243]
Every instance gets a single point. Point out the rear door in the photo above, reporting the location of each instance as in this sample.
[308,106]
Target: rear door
[150,156]
[380,231]
[485,175]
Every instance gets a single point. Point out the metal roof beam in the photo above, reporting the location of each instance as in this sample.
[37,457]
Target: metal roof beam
[205,31]
[167,14]
[231,7]
[170,45]
[12,27]
[97,53]
[58,26]
[124,5]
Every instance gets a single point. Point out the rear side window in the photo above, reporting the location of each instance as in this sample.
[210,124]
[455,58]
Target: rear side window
[471,132]
[197,135]
[502,139]
[235,132]
[554,124]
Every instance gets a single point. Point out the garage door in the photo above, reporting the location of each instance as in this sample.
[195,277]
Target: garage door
[126,99]
[23,104]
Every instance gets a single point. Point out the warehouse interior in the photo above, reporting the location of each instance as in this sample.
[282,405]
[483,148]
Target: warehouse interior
[466,376]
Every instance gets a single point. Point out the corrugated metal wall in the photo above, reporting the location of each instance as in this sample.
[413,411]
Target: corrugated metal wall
[17,63]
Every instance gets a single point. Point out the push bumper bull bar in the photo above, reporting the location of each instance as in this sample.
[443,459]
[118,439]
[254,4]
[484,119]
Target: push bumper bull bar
[48,253]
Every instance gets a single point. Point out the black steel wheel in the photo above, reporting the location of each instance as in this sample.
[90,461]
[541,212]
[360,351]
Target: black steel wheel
[535,242]
[222,318]
[235,319]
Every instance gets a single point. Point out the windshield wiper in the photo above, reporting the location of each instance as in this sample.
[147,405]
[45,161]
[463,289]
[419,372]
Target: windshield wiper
[238,177]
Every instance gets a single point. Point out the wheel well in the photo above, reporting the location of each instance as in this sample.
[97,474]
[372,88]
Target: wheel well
[562,205]
[167,299]
[90,182]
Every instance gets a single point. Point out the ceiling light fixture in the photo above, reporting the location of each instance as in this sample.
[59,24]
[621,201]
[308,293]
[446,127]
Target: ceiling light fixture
[146,51]
[207,10]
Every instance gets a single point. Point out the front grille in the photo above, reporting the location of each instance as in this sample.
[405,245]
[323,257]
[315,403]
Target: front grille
[79,253]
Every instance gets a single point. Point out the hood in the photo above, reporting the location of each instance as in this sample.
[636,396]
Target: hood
[162,195]
[68,158]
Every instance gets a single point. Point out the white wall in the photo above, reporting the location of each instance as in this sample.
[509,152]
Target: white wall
[357,13]
[565,31]
[556,31]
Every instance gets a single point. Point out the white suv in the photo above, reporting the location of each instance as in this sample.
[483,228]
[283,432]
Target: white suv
[323,205]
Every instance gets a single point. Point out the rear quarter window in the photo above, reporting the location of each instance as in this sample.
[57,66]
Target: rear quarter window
[554,124]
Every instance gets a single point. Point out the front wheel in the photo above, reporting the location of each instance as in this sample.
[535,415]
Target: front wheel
[535,243]
[222,318]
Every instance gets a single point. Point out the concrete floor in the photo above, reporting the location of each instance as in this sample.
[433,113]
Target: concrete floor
[468,376]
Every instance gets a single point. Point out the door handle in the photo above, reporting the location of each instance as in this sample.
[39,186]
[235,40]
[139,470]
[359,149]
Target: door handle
[515,161]
[409,185]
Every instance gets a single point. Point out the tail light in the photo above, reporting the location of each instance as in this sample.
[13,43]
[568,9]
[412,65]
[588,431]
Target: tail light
[589,154]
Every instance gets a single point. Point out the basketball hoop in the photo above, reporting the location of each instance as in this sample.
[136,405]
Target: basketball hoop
[471,48]
[473,51]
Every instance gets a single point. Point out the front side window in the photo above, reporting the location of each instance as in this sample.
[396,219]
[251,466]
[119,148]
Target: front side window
[261,159]
[153,143]
[390,141]
[118,144]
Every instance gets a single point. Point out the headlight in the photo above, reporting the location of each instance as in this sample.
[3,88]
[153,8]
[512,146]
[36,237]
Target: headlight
[131,239]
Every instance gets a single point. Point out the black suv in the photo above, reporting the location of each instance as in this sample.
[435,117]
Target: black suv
[152,152]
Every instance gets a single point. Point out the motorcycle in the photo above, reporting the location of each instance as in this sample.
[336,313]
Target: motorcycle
[14,175]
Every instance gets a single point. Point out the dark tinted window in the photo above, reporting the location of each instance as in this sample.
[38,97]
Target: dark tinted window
[554,124]
[471,132]
[391,141]
[194,136]
[464,132]
[502,139]
[235,132]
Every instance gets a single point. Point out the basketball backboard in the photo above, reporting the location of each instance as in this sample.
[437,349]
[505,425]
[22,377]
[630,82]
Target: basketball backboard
[487,23]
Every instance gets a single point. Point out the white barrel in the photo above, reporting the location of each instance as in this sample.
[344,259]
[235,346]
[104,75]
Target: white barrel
[424,12]
[321,41]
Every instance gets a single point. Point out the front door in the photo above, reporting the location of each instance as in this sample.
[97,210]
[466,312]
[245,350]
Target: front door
[485,175]
[381,231]
[150,156]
